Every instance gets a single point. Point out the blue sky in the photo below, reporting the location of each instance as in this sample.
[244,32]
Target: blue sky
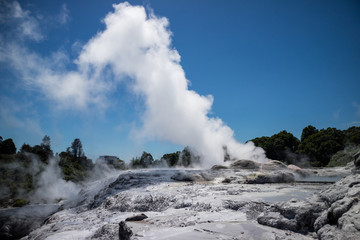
[269,65]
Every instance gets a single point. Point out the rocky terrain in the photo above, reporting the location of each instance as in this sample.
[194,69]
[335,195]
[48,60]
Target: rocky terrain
[245,200]
[334,213]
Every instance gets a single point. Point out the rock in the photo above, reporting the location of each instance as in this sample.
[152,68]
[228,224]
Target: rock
[270,177]
[18,222]
[191,177]
[333,214]
[276,220]
[357,157]
[245,164]
[274,165]
[139,217]
[124,231]
[329,232]
[298,170]
[356,170]
[107,231]
[218,167]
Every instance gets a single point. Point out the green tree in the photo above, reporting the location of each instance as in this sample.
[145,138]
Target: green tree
[43,151]
[7,147]
[171,159]
[321,146]
[76,148]
[280,146]
[145,161]
[74,164]
[352,136]
[308,131]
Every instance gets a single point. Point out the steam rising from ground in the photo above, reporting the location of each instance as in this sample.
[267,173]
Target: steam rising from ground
[137,45]
[51,187]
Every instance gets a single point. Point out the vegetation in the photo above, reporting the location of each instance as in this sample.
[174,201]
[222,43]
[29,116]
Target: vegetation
[145,161]
[343,157]
[318,147]
[7,146]
[184,158]
[279,146]
[74,164]
[322,145]
[20,171]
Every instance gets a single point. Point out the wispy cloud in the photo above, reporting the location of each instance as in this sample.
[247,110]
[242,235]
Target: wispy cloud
[63,16]
[357,108]
[12,116]
[27,26]
[8,112]
[336,114]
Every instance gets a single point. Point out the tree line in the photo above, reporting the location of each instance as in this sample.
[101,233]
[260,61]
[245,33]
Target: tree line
[20,170]
[316,148]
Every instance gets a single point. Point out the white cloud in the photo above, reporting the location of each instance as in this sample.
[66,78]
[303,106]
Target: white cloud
[27,25]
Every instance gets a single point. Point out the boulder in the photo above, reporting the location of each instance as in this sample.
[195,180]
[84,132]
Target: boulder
[191,177]
[107,231]
[135,218]
[218,167]
[270,177]
[297,170]
[274,165]
[245,164]
[124,231]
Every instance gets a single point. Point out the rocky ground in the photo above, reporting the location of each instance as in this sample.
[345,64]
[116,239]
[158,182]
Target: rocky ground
[334,213]
[243,201]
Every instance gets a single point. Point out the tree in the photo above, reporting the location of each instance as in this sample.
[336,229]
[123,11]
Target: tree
[322,145]
[145,161]
[43,151]
[45,141]
[74,164]
[308,131]
[76,148]
[7,147]
[186,158]
[171,158]
[280,146]
[352,136]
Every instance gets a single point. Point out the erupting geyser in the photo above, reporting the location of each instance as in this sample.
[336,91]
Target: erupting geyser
[135,45]
[138,45]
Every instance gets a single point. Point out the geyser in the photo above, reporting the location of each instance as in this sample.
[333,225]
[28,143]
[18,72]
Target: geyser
[134,45]
[138,45]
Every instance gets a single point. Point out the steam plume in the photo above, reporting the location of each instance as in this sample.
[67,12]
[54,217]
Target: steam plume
[138,45]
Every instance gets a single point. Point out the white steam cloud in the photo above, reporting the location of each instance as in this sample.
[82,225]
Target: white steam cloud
[51,187]
[137,45]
